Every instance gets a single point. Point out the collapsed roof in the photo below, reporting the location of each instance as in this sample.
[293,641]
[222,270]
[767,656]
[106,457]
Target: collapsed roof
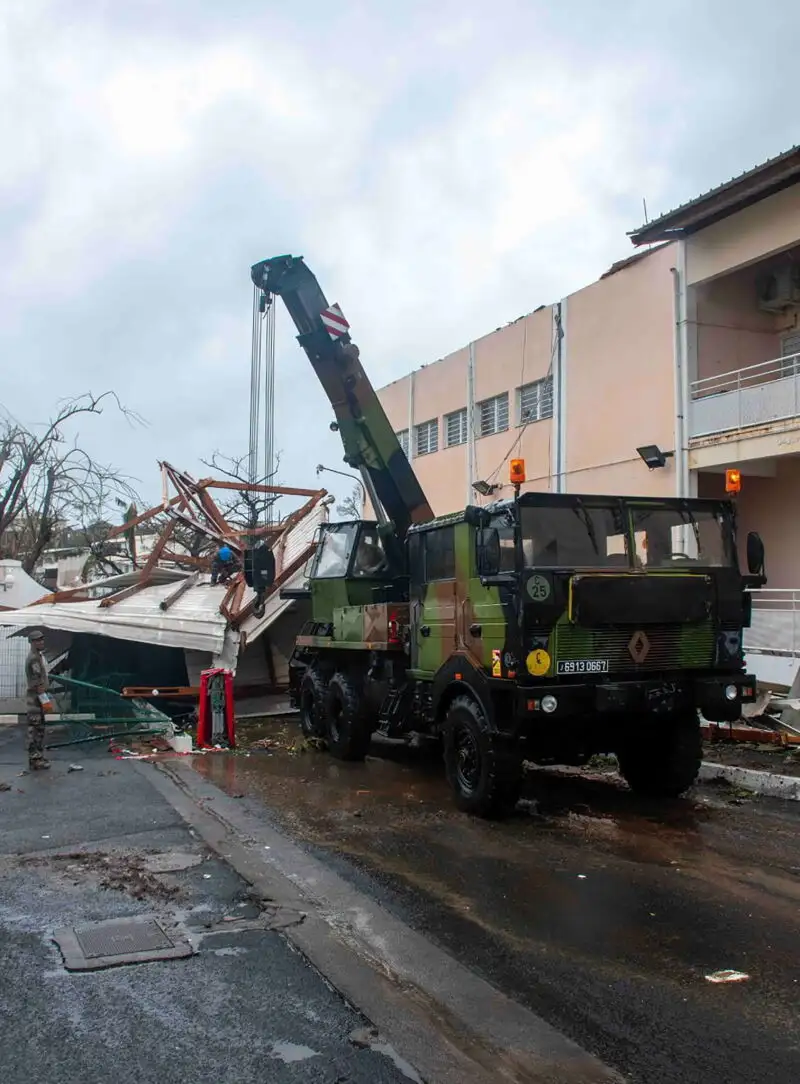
[178,606]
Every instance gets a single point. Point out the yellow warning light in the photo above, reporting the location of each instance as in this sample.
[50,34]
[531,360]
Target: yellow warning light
[516,471]
[733,481]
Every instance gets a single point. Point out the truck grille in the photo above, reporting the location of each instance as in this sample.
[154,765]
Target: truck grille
[630,649]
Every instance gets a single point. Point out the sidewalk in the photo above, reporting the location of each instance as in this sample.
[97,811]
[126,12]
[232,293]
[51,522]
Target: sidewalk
[75,848]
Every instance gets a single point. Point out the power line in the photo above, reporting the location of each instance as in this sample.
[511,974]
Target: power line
[524,426]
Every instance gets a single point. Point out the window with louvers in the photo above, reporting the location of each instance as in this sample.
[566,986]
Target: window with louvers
[455,428]
[536,401]
[426,437]
[494,414]
[402,436]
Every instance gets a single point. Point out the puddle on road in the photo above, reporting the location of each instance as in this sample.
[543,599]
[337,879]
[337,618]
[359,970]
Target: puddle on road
[405,789]
[594,876]
[292,1052]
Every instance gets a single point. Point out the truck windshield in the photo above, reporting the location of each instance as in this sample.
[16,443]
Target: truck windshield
[334,553]
[584,536]
[674,537]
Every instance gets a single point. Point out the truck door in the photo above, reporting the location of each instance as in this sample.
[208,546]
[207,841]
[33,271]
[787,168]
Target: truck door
[433,598]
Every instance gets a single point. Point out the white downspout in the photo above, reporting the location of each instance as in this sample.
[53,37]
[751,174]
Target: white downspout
[410,416]
[470,425]
[562,354]
[681,382]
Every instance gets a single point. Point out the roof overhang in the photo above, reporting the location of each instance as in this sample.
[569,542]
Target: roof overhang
[735,195]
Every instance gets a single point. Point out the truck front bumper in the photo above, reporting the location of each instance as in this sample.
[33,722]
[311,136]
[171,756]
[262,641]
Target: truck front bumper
[720,698]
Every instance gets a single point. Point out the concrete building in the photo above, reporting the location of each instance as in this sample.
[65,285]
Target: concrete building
[692,345]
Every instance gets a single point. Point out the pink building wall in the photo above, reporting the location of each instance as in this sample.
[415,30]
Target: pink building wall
[769,506]
[620,390]
[504,360]
[763,228]
[732,333]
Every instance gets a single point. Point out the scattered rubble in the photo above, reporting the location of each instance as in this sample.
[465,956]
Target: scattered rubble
[727,976]
[119,872]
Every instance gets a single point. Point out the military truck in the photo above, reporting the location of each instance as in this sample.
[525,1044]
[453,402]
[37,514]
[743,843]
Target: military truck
[542,627]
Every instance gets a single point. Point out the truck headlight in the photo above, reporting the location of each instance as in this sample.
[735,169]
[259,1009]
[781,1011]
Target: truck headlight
[731,692]
[549,704]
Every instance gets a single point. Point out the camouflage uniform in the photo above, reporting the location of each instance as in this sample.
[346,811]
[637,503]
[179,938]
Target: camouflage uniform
[36,678]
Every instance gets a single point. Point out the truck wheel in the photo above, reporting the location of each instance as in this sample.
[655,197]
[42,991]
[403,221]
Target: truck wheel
[348,732]
[485,780]
[312,704]
[664,763]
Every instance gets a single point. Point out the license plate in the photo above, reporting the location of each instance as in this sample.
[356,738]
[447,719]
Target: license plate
[582,666]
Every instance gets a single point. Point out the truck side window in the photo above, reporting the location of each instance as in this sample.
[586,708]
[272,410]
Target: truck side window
[508,556]
[370,559]
[334,554]
[440,554]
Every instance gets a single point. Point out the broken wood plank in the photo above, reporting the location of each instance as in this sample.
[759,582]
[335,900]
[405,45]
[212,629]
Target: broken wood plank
[120,596]
[67,595]
[179,591]
[115,532]
[147,569]
[286,491]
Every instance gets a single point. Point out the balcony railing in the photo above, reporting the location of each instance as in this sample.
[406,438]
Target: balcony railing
[775,626]
[758,395]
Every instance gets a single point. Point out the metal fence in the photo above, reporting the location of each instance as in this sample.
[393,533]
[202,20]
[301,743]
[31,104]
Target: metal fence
[757,395]
[93,712]
[13,650]
[775,628]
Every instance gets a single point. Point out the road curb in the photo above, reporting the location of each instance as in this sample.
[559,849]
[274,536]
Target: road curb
[766,783]
[453,1026]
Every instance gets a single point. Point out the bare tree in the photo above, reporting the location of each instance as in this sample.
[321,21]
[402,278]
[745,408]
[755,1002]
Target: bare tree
[351,506]
[244,509]
[49,485]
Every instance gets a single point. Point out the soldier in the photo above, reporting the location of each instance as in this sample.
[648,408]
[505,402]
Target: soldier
[36,677]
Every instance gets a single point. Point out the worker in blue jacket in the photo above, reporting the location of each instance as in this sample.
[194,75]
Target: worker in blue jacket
[224,565]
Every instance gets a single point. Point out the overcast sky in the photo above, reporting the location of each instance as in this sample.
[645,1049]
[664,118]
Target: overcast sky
[442,167]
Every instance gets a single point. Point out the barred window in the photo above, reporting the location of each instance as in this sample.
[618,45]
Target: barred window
[494,414]
[535,401]
[426,437]
[402,436]
[455,428]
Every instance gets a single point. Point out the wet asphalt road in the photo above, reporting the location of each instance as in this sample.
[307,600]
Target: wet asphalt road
[599,912]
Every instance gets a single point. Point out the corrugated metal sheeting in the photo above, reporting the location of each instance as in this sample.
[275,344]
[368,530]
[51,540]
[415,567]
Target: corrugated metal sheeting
[192,622]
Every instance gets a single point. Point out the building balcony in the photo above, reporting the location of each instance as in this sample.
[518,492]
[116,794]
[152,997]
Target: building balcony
[766,394]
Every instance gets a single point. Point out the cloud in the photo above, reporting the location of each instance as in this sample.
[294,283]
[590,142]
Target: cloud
[443,169]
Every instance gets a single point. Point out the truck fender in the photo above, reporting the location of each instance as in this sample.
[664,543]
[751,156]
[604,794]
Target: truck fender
[460,677]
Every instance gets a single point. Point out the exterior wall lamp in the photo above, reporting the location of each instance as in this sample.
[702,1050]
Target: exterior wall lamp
[653,456]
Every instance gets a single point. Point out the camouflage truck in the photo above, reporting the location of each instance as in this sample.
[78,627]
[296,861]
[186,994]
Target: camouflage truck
[544,627]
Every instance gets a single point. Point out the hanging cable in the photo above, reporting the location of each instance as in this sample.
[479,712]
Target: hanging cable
[255,382]
[269,404]
[524,426]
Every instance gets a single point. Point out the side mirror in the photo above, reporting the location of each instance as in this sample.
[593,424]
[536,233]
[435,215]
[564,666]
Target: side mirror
[755,554]
[488,551]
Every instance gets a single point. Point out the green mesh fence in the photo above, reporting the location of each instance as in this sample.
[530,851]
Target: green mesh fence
[94,712]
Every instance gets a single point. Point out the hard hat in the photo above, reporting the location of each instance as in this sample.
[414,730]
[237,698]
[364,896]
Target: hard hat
[225,553]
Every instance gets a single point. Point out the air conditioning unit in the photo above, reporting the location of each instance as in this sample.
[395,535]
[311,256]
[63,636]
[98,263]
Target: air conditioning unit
[779,290]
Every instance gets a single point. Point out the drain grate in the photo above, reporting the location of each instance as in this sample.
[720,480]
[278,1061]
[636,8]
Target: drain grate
[117,942]
[122,938]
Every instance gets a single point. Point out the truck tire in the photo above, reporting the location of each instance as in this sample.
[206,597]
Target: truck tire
[664,763]
[348,732]
[312,704]
[484,778]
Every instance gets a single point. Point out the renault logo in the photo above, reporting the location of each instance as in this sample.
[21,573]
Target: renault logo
[639,647]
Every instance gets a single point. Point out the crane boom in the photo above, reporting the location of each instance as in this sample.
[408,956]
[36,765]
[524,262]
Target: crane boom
[370,443]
